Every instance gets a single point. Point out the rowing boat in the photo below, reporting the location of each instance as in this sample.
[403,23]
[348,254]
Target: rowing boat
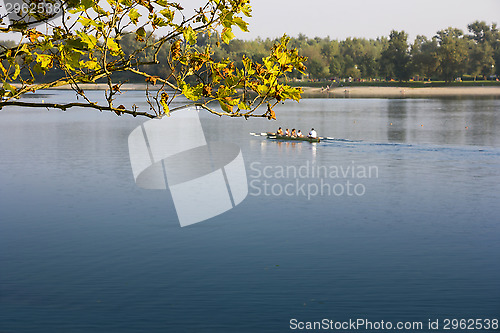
[291,138]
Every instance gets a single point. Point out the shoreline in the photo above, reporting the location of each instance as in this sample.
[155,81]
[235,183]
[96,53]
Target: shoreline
[400,92]
[350,92]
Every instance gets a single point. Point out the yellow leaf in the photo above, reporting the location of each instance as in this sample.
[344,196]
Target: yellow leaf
[3,69]
[85,21]
[44,60]
[134,15]
[113,46]
[164,103]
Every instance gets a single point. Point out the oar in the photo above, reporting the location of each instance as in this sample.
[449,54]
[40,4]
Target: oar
[258,134]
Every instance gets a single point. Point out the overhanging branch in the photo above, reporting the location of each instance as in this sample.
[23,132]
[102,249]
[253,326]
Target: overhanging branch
[66,106]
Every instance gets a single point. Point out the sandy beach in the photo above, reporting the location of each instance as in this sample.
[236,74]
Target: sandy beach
[401,92]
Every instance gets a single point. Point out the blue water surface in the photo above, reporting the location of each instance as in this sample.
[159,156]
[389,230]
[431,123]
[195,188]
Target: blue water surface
[83,249]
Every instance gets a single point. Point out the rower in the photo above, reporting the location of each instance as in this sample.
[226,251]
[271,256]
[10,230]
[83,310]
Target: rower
[287,132]
[294,133]
[299,134]
[280,131]
[313,134]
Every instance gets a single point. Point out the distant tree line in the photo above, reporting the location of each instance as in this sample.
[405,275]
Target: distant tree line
[449,54]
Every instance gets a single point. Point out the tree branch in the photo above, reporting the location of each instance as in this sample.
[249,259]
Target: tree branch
[64,107]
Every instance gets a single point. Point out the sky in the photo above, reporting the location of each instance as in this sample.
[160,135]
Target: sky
[340,19]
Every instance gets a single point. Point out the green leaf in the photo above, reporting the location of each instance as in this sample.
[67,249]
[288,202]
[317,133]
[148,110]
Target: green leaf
[190,35]
[233,81]
[225,106]
[38,69]
[89,40]
[241,24]
[159,22]
[227,22]
[11,88]
[76,44]
[46,45]
[72,60]
[224,92]
[141,32]
[227,35]
[227,103]
[190,92]
[87,4]
[168,14]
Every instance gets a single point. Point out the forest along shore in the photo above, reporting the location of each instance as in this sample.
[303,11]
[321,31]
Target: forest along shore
[401,92]
[353,92]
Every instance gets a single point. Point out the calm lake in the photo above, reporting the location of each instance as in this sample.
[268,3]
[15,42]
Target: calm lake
[396,219]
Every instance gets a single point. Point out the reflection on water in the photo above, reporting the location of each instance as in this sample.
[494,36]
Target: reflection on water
[433,121]
[83,249]
[396,127]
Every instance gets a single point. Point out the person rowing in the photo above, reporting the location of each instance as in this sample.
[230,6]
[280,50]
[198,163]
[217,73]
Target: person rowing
[299,134]
[313,134]
[287,132]
[294,133]
[280,131]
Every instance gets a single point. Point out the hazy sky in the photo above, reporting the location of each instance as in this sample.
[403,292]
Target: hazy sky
[365,18]
[357,18]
